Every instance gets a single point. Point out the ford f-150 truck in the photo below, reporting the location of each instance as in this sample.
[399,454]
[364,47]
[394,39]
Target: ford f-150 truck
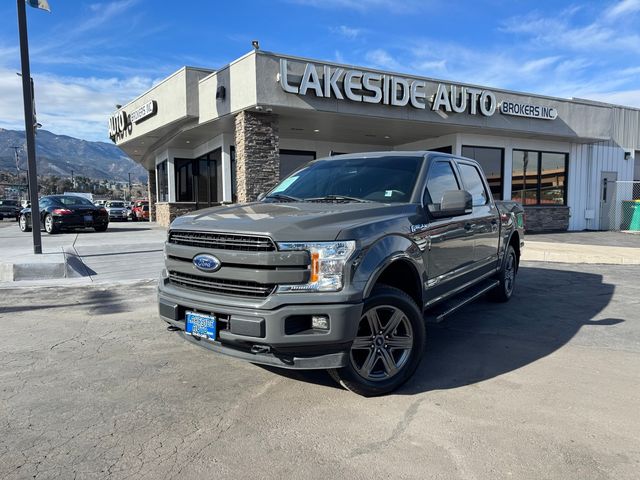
[340,266]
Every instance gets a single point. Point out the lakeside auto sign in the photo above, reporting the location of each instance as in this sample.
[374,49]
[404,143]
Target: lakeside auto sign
[386,89]
[122,123]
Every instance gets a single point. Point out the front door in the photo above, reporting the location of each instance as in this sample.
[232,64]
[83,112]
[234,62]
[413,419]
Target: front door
[451,252]
[607,200]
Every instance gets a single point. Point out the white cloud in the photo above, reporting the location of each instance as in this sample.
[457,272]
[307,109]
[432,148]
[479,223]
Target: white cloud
[538,65]
[563,31]
[364,6]
[380,58]
[74,106]
[348,32]
[623,8]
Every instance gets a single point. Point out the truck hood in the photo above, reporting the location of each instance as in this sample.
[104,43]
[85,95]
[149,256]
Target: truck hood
[304,221]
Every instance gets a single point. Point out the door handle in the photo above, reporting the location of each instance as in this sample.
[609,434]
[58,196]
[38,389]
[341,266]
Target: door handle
[469,226]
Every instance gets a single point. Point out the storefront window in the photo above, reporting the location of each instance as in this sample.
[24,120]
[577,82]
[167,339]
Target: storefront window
[291,160]
[492,162]
[199,180]
[553,171]
[539,178]
[184,180]
[448,149]
[162,181]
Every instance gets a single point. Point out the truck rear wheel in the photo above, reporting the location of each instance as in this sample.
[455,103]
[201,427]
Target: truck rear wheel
[506,277]
[388,346]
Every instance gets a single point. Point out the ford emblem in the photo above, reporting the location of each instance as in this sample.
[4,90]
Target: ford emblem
[206,263]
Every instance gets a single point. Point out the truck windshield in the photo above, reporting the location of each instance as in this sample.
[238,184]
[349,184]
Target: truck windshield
[380,179]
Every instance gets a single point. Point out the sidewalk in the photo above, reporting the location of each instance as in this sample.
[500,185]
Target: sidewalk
[611,248]
[126,251]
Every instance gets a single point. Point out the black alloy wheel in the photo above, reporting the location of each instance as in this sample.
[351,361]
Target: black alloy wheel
[388,346]
[506,277]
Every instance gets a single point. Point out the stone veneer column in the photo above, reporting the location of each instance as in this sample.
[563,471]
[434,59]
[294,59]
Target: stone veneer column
[152,194]
[257,154]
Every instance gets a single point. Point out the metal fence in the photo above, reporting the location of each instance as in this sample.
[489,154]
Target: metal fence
[622,212]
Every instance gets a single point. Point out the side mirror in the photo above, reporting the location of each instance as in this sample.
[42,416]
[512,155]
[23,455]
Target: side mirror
[261,196]
[454,203]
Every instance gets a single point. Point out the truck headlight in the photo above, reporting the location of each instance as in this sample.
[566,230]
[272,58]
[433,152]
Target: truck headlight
[328,260]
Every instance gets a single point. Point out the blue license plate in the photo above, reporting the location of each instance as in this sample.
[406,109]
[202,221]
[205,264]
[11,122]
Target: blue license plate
[203,326]
[88,218]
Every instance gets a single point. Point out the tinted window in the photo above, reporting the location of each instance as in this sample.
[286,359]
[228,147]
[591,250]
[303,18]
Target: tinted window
[491,161]
[539,178]
[384,179]
[473,184]
[115,204]
[162,181]
[441,179]
[73,200]
[9,203]
[552,178]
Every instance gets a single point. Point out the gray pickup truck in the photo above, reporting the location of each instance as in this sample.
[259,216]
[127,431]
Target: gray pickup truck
[340,266]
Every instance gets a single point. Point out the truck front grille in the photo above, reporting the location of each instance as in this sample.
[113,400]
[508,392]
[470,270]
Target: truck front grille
[222,241]
[222,286]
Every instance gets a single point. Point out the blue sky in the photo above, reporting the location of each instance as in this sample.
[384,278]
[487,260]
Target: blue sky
[86,56]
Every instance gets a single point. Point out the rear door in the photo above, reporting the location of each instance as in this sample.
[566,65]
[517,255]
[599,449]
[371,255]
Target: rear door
[483,226]
[451,246]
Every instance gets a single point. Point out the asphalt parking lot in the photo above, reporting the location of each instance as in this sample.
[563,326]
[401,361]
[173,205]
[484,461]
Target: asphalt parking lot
[547,386]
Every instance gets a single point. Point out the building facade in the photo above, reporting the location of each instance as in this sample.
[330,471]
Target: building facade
[208,137]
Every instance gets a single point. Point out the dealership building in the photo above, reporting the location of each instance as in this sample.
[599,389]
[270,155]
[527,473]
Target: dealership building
[227,135]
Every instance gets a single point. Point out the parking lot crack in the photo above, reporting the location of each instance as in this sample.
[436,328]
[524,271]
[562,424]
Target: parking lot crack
[398,430]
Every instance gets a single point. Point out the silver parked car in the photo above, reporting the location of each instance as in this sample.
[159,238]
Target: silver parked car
[117,211]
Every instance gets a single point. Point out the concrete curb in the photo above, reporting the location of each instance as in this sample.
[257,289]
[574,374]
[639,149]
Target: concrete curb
[34,267]
[579,253]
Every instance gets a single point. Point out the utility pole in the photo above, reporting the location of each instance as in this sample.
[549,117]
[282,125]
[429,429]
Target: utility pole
[73,182]
[29,124]
[129,173]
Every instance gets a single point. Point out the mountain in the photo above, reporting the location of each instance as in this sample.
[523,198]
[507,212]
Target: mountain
[59,154]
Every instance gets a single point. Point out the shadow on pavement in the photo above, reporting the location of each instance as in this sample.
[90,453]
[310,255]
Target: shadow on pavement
[98,302]
[486,339]
[114,230]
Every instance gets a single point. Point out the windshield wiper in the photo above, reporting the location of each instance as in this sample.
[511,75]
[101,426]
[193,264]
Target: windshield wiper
[282,196]
[336,197]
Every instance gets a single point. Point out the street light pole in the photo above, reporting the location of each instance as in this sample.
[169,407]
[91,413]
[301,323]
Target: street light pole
[29,127]
[129,173]
[73,182]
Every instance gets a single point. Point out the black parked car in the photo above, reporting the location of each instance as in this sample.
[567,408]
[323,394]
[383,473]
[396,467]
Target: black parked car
[9,209]
[62,212]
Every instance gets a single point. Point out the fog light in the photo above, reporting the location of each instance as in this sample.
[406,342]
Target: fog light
[320,322]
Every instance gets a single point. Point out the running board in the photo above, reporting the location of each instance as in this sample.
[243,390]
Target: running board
[442,311]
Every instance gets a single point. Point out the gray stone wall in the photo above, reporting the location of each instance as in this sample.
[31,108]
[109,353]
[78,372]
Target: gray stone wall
[257,154]
[545,219]
[167,212]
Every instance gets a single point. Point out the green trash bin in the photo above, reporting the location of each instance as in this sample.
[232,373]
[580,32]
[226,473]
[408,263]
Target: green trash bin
[631,215]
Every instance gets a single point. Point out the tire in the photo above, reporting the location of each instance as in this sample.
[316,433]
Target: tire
[506,277]
[24,224]
[101,228]
[49,226]
[374,367]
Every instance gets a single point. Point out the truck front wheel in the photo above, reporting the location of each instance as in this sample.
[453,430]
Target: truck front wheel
[388,346]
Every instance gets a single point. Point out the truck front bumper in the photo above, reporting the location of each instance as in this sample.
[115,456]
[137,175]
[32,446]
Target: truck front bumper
[282,337]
